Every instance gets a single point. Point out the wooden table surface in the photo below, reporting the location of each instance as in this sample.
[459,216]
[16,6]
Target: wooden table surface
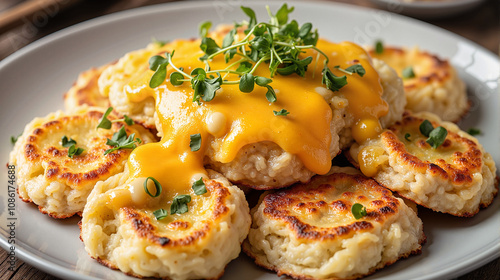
[481,25]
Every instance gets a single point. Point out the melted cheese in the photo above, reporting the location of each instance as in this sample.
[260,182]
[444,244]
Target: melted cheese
[234,119]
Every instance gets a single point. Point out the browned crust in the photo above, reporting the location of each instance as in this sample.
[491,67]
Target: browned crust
[145,228]
[458,172]
[303,277]
[57,158]
[278,206]
[57,161]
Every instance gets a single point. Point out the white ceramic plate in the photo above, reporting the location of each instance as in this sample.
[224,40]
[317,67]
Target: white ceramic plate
[428,9]
[34,79]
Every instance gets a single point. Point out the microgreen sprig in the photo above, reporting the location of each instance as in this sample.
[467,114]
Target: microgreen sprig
[278,43]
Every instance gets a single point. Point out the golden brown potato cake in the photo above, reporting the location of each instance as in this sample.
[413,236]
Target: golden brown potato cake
[120,230]
[458,177]
[436,86]
[308,231]
[57,183]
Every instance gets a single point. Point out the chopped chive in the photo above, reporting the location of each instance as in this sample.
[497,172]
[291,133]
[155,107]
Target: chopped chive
[426,128]
[65,142]
[407,137]
[128,120]
[74,151]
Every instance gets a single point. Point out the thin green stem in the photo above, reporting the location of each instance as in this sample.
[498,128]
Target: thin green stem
[241,43]
[258,63]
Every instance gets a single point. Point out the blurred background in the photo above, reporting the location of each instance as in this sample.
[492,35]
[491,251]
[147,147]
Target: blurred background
[23,22]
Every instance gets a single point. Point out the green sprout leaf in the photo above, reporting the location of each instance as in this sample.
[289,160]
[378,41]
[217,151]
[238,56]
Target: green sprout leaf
[119,140]
[205,28]
[247,83]
[357,68]
[209,47]
[262,81]
[305,29]
[437,137]
[251,14]
[333,82]
[282,14]
[229,38]
[270,94]
[281,112]
[176,78]
[195,142]
[74,151]
[408,73]
[104,122]
[158,43]
[199,187]
[159,64]
[179,204]
[160,214]
[244,67]
[358,211]
[13,139]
